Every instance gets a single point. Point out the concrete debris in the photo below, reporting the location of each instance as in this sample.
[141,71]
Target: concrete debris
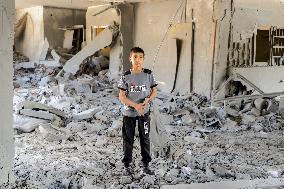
[25,65]
[51,134]
[190,139]
[87,114]
[44,50]
[50,63]
[25,124]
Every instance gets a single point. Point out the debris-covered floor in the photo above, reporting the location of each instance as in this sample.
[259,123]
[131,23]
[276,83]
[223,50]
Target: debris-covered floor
[78,143]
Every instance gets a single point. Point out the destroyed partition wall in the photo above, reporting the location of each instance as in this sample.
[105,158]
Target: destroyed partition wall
[257,46]
[55,18]
[7,10]
[102,20]
[31,41]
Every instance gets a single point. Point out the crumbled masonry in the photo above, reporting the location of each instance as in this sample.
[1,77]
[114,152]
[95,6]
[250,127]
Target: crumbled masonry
[193,142]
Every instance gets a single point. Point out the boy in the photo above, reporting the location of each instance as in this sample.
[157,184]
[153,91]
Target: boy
[137,89]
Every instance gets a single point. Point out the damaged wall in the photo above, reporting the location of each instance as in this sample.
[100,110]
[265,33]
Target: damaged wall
[151,23]
[6,91]
[54,18]
[222,16]
[202,13]
[122,15]
[43,22]
[101,20]
[30,44]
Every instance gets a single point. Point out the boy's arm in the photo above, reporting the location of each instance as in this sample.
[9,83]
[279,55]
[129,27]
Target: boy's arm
[123,98]
[151,97]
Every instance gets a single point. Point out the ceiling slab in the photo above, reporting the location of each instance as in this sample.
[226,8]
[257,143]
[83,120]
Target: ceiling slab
[75,4]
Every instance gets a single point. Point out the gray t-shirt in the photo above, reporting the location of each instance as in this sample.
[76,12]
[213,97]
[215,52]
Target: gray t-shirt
[138,87]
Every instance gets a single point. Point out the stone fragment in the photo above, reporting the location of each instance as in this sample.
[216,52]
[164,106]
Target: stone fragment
[87,114]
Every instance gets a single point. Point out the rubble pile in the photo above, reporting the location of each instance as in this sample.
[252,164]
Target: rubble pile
[68,135]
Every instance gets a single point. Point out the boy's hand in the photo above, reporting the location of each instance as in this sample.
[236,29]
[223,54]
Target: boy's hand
[146,101]
[140,108]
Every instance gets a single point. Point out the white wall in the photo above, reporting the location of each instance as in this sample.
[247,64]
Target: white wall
[31,43]
[6,89]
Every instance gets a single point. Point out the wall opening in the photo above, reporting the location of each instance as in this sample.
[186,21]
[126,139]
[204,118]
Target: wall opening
[262,46]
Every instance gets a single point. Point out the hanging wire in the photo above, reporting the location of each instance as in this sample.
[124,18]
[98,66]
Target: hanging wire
[181,2]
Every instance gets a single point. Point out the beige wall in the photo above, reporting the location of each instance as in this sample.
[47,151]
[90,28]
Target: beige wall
[102,20]
[151,23]
[6,89]
[204,44]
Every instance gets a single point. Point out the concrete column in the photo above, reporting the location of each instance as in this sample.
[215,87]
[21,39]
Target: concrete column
[7,9]
[126,29]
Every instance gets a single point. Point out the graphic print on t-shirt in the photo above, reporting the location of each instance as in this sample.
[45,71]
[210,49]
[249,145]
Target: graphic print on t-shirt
[137,88]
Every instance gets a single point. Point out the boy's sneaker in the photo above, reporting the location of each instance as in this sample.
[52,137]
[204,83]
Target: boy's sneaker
[148,171]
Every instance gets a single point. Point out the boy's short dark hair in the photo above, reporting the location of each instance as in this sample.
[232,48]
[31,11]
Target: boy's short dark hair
[137,50]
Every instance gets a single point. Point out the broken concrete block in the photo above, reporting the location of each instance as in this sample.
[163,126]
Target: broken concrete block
[260,103]
[193,139]
[213,151]
[256,112]
[102,40]
[68,39]
[44,81]
[189,119]
[273,106]
[275,173]
[86,114]
[186,171]
[101,141]
[44,50]
[25,65]
[125,180]
[148,180]
[114,129]
[221,171]
[160,173]
[248,118]
[257,127]
[51,134]
[38,106]
[26,124]
[50,63]
[100,116]
[55,55]
[232,112]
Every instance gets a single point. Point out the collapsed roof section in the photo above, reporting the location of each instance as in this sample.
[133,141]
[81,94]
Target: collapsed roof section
[104,39]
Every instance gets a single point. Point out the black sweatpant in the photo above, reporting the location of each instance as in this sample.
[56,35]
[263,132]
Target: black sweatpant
[128,133]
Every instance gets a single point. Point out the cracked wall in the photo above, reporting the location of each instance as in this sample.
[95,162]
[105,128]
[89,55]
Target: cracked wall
[6,90]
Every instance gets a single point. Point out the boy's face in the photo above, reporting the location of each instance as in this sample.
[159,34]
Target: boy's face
[136,59]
